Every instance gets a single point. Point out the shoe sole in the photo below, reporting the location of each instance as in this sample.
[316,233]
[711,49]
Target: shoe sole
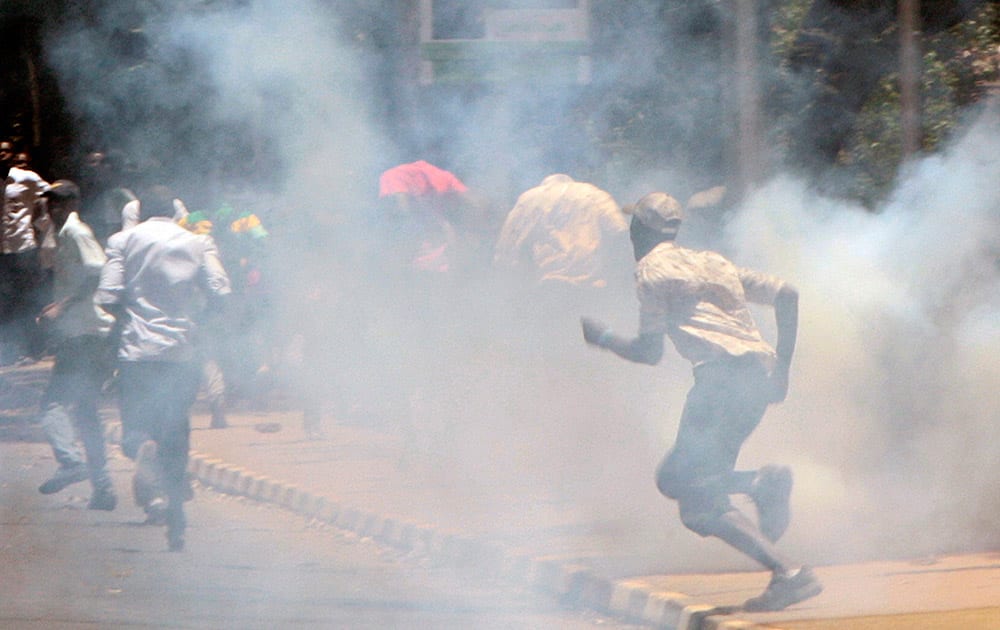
[807,592]
[810,589]
[779,493]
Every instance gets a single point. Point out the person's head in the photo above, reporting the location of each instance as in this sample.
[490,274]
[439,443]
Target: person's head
[157,202]
[21,160]
[96,169]
[62,198]
[6,153]
[94,160]
[655,218]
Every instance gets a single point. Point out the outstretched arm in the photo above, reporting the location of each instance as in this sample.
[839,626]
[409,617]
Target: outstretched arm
[646,348]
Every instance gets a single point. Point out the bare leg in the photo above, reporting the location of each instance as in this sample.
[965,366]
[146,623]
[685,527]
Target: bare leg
[739,532]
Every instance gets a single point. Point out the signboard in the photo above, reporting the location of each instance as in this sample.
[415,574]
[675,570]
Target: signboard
[553,25]
[534,45]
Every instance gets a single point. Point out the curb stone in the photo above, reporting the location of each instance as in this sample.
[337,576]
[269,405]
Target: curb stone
[571,583]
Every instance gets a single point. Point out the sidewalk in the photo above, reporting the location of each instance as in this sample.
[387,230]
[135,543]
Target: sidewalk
[366,479]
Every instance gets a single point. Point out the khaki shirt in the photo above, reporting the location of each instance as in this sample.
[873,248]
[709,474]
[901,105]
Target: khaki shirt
[558,231]
[699,299]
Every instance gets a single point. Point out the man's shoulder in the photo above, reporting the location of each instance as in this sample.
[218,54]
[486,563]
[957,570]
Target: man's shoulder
[77,227]
[21,175]
[671,260]
[158,225]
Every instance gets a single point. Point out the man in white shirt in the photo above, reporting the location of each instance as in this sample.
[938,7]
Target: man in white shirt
[21,234]
[79,331]
[160,280]
[700,300]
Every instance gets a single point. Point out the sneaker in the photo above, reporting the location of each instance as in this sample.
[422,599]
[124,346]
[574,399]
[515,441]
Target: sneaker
[65,476]
[103,500]
[175,541]
[771,492]
[785,590]
[146,480]
[156,512]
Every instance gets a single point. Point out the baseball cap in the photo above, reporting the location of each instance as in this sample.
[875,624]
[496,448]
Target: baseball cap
[658,211]
[62,190]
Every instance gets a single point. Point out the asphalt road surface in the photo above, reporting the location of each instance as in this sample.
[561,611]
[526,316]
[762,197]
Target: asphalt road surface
[245,566]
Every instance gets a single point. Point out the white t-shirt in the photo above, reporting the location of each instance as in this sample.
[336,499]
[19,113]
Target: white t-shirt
[22,190]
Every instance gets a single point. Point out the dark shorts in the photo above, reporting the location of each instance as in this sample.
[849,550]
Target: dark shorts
[722,409]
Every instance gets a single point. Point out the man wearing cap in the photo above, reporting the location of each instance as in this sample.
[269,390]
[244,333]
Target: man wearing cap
[161,281]
[79,331]
[699,299]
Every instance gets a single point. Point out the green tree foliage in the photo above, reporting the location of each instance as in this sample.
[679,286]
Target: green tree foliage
[662,94]
[959,65]
[829,77]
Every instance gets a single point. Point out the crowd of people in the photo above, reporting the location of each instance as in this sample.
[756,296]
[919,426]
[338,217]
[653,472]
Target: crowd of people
[135,286]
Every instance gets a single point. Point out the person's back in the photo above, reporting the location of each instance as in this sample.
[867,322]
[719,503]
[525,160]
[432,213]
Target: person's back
[79,333]
[418,204]
[157,280]
[557,232]
[164,271]
[22,264]
[22,190]
[700,300]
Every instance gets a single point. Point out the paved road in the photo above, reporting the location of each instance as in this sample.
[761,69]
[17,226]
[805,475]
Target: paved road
[246,566]
[622,559]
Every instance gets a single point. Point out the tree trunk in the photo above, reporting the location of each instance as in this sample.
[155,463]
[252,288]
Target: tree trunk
[909,76]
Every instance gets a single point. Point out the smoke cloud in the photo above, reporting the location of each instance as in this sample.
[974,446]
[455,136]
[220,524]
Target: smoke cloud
[893,399]
[898,353]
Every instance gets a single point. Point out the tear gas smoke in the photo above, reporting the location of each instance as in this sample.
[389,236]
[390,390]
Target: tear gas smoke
[893,399]
[899,351]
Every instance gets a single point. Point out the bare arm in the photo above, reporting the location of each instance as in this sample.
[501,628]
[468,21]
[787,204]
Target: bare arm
[786,314]
[647,349]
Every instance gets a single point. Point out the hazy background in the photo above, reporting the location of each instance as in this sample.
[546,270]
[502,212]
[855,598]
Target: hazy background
[894,401]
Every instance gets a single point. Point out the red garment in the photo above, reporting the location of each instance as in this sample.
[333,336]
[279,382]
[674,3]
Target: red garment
[418,179]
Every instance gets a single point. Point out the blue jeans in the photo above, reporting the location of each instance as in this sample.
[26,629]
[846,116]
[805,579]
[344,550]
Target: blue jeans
[69,406]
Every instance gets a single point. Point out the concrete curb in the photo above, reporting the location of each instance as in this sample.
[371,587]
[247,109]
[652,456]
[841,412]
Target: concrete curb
[572,584]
